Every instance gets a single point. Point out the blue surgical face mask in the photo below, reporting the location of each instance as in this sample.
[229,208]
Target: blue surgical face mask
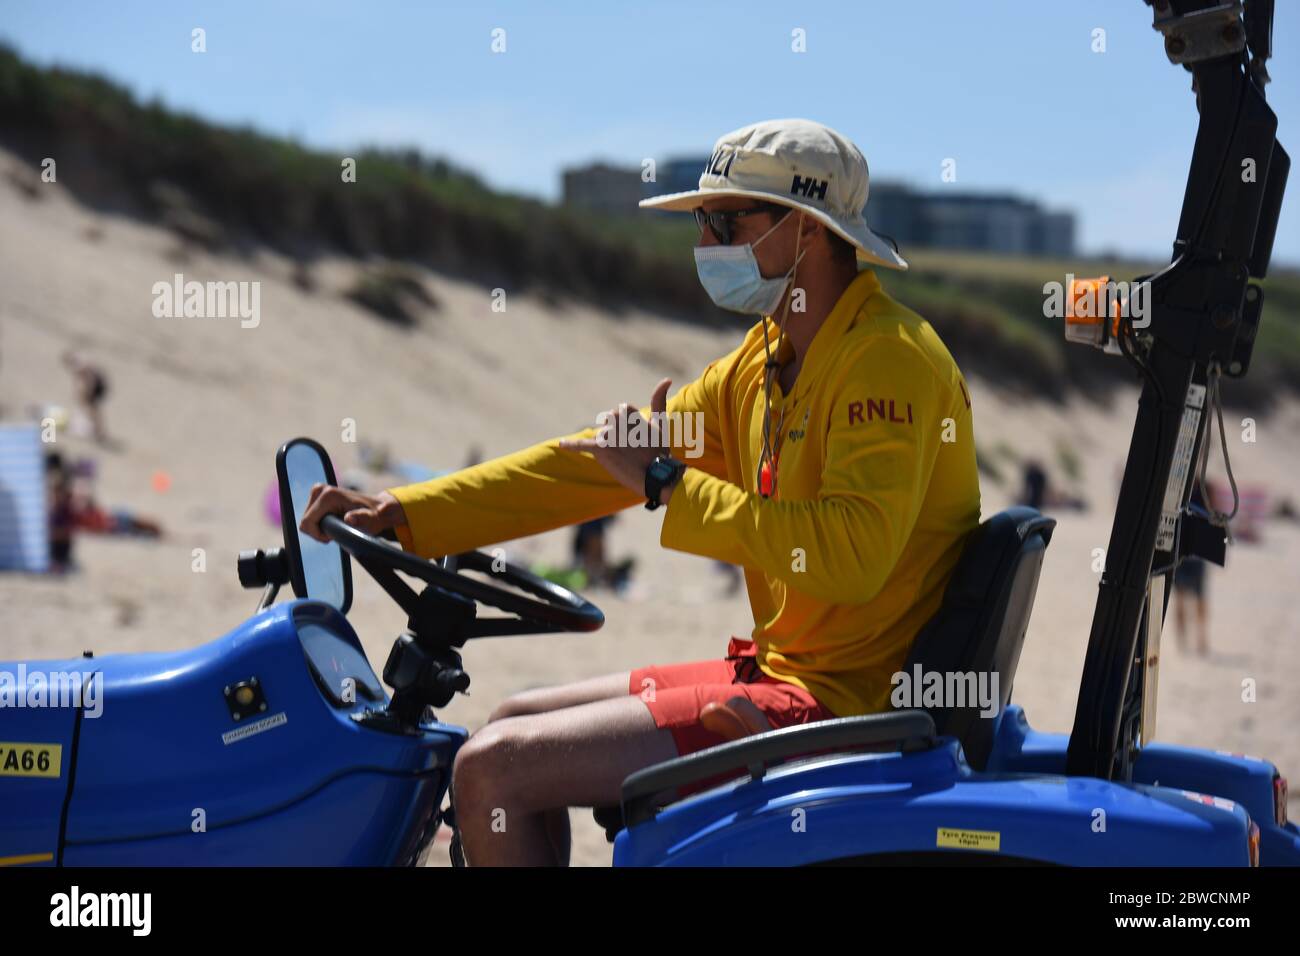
[731,277]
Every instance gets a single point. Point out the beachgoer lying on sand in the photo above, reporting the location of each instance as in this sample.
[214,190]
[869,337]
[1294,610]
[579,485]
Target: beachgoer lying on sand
[831,456]
[89,516]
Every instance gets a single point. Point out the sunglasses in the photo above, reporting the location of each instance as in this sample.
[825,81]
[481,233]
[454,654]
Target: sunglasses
[720,223]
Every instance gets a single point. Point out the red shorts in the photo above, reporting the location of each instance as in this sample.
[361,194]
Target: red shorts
[676,692]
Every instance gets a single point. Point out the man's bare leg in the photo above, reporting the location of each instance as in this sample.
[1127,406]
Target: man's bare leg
[510,773]
[542,699]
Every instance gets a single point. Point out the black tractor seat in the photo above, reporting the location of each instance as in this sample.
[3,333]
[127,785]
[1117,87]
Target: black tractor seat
[980,626]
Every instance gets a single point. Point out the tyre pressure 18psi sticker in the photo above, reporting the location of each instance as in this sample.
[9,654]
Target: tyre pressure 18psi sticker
[30,759]
[956,839]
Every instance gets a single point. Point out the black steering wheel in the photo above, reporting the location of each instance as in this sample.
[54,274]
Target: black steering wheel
[553,609]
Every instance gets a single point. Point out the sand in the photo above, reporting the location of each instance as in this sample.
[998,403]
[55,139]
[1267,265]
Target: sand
[208,402]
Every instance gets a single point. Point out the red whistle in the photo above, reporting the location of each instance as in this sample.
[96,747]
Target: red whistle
[767,479]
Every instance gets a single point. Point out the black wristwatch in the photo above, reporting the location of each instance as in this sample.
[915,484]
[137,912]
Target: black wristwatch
[663,472]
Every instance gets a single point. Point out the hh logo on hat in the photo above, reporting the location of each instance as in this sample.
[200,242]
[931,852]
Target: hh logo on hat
[810,188]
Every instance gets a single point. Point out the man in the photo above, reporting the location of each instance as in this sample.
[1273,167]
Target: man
[92,388]
[837,468]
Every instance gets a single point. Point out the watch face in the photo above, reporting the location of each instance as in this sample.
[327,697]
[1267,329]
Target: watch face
[660,473]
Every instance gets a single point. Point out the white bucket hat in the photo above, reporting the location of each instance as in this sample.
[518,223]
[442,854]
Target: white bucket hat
[796,163]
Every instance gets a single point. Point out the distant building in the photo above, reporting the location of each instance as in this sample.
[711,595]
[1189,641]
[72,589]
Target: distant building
[943,219]
[1055,234]
[618,189]
[610,189]
[676,176]
[986,222]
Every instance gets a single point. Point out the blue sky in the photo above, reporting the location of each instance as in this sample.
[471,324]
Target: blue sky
[1010,89]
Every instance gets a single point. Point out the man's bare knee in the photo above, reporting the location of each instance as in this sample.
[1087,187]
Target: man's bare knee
[476,769]
[574,756]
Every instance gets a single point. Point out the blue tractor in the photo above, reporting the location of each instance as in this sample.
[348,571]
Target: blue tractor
[278,744]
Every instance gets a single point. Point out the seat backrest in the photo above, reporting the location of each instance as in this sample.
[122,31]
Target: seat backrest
[980,627]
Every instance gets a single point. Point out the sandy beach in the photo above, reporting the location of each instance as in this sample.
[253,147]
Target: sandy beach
[208,402]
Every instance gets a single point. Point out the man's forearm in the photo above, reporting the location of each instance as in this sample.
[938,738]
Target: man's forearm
[538,489]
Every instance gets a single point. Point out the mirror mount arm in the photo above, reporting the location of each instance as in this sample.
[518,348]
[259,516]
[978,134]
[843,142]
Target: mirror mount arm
[269,594]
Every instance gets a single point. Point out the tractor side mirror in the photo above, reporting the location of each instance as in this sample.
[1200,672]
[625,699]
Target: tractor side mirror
[318,571]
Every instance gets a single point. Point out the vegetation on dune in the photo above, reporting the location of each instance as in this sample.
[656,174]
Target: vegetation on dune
[239,188]
[115,153]
[393,293]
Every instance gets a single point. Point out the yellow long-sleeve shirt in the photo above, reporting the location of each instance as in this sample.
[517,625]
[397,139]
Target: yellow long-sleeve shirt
[876,491]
